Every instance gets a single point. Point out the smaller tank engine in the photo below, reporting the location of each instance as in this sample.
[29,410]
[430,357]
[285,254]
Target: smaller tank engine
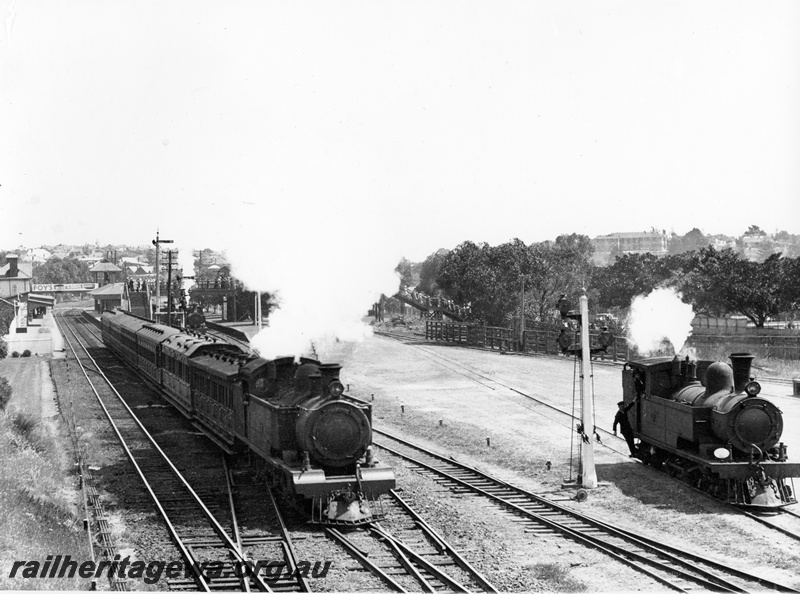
[704,422]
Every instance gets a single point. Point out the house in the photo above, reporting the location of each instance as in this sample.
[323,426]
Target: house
[13,280]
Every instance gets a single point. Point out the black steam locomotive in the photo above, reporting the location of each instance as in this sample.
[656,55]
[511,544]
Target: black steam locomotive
[314,439]
[715,432]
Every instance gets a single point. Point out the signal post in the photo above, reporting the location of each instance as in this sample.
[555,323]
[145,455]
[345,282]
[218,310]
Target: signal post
[586,428]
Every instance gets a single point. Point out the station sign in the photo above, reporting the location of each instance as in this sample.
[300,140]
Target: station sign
[62,287]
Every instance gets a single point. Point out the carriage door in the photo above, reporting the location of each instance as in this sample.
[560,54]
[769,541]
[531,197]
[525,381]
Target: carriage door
[239,408]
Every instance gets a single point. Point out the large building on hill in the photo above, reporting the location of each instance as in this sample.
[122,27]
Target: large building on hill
[606,247]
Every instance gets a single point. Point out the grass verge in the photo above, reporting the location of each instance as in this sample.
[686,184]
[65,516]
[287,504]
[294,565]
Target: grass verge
[37,509]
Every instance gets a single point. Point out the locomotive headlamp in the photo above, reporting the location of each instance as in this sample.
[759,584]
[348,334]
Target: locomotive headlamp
[752,388]
[722,453]
[335,388]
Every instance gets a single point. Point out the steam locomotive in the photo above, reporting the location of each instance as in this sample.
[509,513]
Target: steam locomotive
[715,433]
[313,438]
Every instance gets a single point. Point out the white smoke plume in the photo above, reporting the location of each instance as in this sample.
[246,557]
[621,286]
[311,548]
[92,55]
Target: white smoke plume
[186,265]
[658,316]
[324,289]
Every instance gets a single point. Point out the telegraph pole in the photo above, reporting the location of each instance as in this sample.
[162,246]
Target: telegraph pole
[169,287]
[157,242]
[522,314]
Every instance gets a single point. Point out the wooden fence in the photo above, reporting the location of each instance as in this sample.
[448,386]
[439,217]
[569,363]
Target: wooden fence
[543,338]
[470,334]
[540,338]
[762,345]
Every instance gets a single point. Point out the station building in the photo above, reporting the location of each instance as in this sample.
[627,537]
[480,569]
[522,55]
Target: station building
[606,247]
[33,328]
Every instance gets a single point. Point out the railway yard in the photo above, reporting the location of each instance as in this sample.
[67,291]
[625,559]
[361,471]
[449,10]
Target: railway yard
[480,443]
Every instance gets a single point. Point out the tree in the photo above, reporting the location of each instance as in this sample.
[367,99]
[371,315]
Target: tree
[720,282]
[564,266]
[693,240]
[406,275]
[630,275]
[429,272]
[467,277]
[68,270]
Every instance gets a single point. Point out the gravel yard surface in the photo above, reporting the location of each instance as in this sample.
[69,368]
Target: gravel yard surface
[445,397]
[524,436]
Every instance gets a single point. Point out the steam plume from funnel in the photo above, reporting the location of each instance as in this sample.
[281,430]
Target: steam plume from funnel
[324,285]
[658,316]
[186,265]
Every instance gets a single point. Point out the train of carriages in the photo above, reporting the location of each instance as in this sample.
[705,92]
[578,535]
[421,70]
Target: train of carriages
[294,414]
[704,422]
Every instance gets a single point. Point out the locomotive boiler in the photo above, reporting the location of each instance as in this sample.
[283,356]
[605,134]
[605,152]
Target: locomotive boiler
[314,439]
[704,422]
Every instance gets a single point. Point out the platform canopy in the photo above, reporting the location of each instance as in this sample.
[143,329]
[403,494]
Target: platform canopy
[109,291]
[47,300]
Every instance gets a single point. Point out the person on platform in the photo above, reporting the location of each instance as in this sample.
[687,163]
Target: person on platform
[621,419]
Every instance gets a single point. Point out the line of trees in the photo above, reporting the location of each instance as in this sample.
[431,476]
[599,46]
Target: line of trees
[66,270]
[714,282]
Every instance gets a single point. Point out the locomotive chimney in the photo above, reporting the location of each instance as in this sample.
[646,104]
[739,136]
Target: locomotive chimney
[741,363]
[691,373]
[329,373]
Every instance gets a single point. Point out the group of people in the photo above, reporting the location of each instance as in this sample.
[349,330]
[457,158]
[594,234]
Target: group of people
[437,301]
[137,284]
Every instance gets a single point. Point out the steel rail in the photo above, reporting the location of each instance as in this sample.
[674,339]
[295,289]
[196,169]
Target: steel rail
[443,547]
[235,523]
[288,546]
[262,585]
[491,380]
[187,556]
[340,538]
[416,558]
[628,535]
[622,554]
[769,524]
[404,560]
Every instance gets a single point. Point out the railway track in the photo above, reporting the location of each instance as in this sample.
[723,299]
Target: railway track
[212,558]
[788,527]
[410,555]
[563,417]
[675,568]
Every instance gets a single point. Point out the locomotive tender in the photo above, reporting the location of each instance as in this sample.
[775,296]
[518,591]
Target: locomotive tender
[294,415]
[716,434]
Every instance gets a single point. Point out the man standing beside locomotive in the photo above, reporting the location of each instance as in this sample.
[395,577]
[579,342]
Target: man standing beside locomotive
[621,419]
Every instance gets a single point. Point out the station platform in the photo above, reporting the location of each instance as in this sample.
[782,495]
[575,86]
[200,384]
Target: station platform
[41,338]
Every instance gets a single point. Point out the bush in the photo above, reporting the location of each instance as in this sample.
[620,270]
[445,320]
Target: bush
[25,426]
[3,349]
[5,392]
[26,353]
[15,354]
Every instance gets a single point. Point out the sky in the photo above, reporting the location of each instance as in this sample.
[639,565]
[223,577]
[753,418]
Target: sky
[325,135]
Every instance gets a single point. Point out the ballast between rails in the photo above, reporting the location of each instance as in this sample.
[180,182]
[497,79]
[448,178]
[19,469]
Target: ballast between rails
[313,438]
[185,553]
[629,548]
